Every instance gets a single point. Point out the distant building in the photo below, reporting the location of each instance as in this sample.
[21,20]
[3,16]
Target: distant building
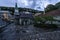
[23,17]
[26,18]
[5,14]
[37,14]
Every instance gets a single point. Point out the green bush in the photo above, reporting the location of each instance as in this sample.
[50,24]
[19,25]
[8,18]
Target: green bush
[46,26]
[43,20]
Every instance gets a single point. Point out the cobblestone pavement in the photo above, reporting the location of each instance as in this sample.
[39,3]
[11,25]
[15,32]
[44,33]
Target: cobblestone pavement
[13,32]
[16,32]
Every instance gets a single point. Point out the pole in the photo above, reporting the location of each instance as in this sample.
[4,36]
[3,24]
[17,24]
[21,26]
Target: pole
[43,7]
[44,10]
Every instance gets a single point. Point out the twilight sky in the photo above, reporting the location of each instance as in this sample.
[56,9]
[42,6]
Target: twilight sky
[34,4]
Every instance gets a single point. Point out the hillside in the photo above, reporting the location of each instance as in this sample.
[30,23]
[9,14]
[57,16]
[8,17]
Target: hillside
[20,9]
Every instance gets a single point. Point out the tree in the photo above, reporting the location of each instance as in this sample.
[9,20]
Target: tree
[57,5]
[50,7]
[48,18]
[37,19]
[40,20]
[44,19]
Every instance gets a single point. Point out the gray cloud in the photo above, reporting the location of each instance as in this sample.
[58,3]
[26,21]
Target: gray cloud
[34,4]
[7,3]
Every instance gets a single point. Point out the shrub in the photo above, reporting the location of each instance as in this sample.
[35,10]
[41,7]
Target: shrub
[46,26]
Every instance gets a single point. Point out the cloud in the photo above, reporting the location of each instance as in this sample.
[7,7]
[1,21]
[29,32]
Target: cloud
[25,3]
[7,3]
[53,1]
[34,4]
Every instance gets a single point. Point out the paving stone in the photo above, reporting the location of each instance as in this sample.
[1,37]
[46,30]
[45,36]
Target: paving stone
[28,33]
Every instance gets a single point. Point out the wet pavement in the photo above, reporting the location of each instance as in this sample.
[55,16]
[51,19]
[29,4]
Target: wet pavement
[27,32]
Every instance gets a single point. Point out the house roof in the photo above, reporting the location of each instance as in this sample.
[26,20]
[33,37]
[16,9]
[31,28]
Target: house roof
[26,15]
[53,13]
[37,14]
[4,11]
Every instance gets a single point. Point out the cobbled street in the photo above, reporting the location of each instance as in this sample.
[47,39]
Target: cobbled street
[29,32]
